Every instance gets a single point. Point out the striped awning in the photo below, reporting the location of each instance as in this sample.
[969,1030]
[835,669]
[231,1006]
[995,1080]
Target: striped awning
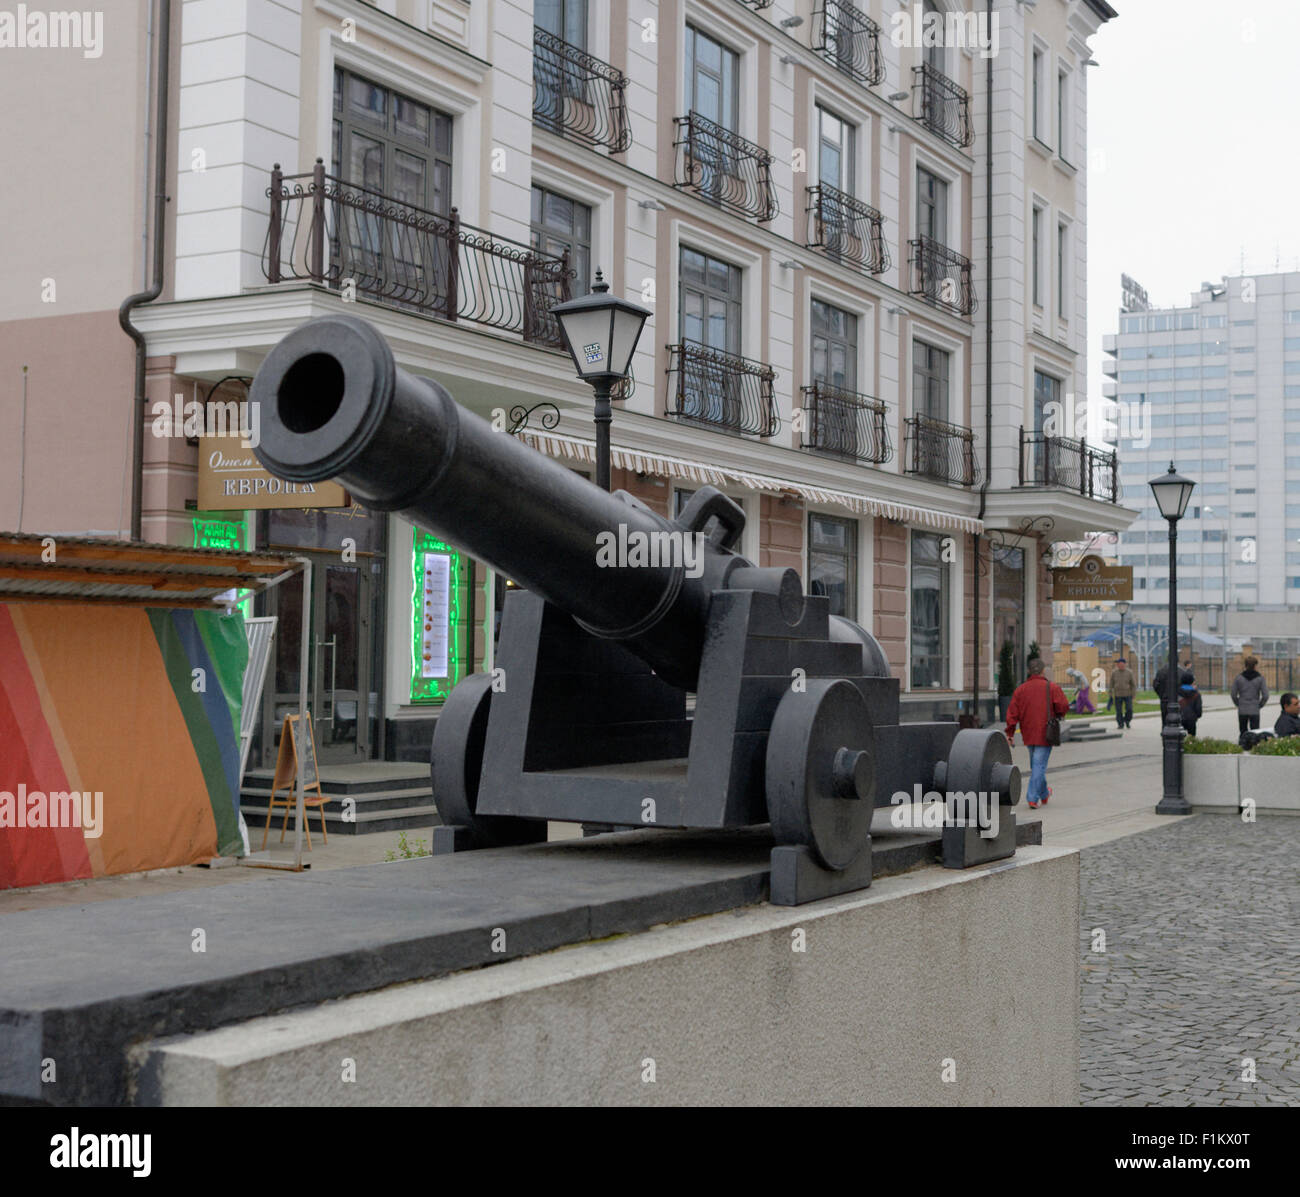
[555,444]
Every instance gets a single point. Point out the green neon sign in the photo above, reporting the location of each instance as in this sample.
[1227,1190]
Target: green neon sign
[436,664]
[216,530]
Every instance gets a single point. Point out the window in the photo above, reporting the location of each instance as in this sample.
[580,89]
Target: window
[834,346]
[712,79]
[710,316]
[1130,324]
[929,584]
[931,206]
[566,19]
[1037,93]
[1060,272]
[560,223]
[1062,115]
[1047,390]
[1187,320]
[933,52]
[833,562]
[930,372]
[835,138]
[1214,321]
[393,146]
[1037,259]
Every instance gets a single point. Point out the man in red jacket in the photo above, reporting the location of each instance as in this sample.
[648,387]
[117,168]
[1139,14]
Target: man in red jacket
[1034,702]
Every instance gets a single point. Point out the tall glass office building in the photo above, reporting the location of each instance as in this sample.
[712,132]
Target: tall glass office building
[1215,388]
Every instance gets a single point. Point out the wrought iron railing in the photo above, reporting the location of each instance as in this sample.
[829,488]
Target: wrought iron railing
[844,423]
[846,229]
[757,5]
[334,233]
[577,95]
[1068,463]
[941,275]
[941,105]
[724,168]
[724,390]
[942,451]
[845,36]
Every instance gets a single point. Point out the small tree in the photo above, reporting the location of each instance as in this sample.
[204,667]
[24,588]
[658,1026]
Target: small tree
[1007,669]
[1033,651]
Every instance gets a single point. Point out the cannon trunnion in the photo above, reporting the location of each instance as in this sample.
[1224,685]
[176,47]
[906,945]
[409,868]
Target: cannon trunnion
[585,717]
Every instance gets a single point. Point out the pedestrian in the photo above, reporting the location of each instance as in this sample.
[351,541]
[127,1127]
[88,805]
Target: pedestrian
[1034,704]
[1123,685]
[1189,706]
[1249,695]
[1288,722]
[1160,686]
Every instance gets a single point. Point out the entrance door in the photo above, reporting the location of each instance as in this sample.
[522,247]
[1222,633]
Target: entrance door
[345,634]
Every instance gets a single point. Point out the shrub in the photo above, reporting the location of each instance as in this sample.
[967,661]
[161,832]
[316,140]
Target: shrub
[1007,670]
[1199,746]
[1280,746]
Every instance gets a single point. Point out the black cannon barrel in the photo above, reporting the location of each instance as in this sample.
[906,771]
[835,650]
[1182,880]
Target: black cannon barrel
[333,404]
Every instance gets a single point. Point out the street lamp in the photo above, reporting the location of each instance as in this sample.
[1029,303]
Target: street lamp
[1123,609]
[601,331]
[1172,492]
[1189,612]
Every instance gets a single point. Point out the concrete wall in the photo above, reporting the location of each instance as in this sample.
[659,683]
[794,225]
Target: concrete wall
[924,972]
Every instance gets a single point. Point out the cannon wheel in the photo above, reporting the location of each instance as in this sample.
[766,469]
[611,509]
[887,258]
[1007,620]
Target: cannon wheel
[980,761]
[456,766]
[821,771]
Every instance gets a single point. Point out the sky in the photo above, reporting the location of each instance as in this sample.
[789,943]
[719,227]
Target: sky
[1194,151]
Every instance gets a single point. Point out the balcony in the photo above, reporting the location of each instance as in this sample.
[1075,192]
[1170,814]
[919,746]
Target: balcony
[942,276]
[578,96]
[941,106]
[721,390]
[1061,461]
[846,229]
[722,167]
[941,451]
[844,424]
[848,39]
[335,234]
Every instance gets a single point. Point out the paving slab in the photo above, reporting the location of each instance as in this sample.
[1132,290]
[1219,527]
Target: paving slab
[81,986]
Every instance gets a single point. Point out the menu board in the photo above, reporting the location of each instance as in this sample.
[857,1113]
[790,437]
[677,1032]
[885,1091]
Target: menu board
[437,612]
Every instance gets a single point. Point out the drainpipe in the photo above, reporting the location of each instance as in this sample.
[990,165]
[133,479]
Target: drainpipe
[159,235]
[988,350]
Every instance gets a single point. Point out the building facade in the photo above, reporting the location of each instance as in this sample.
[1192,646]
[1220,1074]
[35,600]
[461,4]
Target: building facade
[797,190]
[1214,387]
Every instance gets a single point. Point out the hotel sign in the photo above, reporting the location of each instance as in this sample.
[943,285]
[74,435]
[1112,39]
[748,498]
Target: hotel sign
[232,479]
[1092,580]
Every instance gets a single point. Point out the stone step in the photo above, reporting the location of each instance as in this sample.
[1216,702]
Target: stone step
[372,800]
[406,818]
[367,777]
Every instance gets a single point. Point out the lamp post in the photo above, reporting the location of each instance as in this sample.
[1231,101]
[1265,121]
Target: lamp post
[1189,612]
[600,331]
[1123,609]
[1172,492]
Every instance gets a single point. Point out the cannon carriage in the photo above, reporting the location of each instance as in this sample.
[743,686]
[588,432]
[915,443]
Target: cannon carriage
[586,716]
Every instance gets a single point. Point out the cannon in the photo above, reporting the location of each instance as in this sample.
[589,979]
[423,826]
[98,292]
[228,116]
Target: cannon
[620,617]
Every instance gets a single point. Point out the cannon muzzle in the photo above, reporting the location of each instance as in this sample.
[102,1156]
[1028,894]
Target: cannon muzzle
[333,404]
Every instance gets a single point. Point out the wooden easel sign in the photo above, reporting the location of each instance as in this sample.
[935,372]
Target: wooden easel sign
[286,775]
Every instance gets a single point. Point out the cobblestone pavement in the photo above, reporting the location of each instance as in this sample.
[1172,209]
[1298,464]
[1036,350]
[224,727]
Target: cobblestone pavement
[1201,969]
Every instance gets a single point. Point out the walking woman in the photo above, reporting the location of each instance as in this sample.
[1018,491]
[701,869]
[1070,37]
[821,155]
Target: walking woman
[1035,702]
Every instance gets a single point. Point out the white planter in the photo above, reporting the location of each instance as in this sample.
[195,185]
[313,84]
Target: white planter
[1211,781]
[1272,781]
